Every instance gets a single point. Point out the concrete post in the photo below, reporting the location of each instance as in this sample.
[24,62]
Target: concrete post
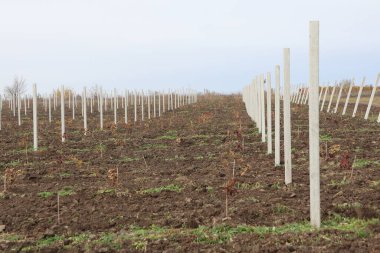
[358,98]
[63,113]
[348,97]
[262,99]
[331,98]
[338,99]
[324,97]
[287,115]
[35,141]
[269,113]
[372,96]
[315,212]
[101,108]
[277,118]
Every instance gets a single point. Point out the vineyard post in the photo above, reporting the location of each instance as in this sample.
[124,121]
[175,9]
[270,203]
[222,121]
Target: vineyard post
[163,101]
[348,97]
[115,106]
[126,107]
[287,126]
[258,95]
[277,118]
[25,98]
[73,107]
[269,113]
[320,94]
[331,98]
[1,109]
[262,96]
[314,173]
[135,105]
[338,99]
[84,99]
[324,98]
[148,95]
[35,141]
[18,108]
[101,108]
[154,104]
[63,113]
[358,98]
[49,108]
[159,104]
[372,96]
[142,105]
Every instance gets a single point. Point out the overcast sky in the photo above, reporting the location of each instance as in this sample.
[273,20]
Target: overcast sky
[216,44]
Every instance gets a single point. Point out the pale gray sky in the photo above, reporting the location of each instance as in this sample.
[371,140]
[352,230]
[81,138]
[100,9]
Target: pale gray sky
[157,44]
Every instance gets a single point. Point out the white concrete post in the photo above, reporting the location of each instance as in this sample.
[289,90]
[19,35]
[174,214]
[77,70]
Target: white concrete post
[315,212]
[135,104]
[25,98]
[324,98]
[269,113]
[19,108]
[287,115]
[73,107]
[163,101]
[321,92]
[148,104]
[348,97]
[159,104]
[262,96]
[259,108]
[358,98]
[338,99]
[126,107]
[115,106]
[84,99]
[142,106]
[35,141]
[101,108]
[63,113]
[1,109]
[277,118]
[49,108]
[154,104]
[372,96]
[331,98]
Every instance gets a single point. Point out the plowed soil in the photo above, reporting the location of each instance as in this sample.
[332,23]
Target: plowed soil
[170,192]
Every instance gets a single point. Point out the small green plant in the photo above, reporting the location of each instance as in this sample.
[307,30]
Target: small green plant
[171,187]
[247,186]
[45,194]
[325,137]
[66,191]
[360,163]
[276,186]
[210,189]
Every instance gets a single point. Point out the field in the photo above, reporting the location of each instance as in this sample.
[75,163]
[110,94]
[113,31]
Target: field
[169,194]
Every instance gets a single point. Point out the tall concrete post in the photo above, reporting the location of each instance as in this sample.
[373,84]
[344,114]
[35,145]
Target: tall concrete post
[358,98]
[35,141]
[269,113]
[63,113]
[315,212]
[287,124]
[372,96]
[277,118]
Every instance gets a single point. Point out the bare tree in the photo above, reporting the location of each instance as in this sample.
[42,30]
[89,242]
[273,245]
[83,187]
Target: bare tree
[18,87]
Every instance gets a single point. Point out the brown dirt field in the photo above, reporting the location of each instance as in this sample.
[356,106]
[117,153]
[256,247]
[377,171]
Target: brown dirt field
[170,193]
